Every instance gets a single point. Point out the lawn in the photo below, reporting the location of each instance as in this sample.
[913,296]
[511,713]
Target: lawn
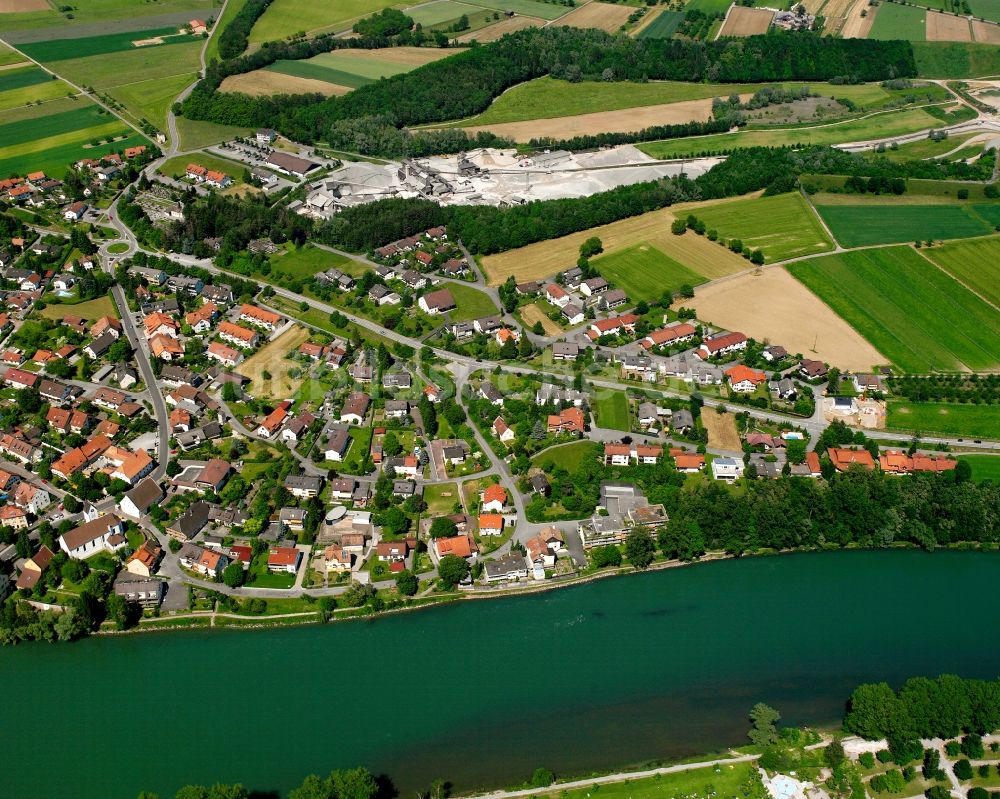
[441,498]
[175,167]
[233,7]
[361,445]
[435,13]
[271,359]
[892,123]
[894,21]
[984,467]
[568,456]
[865,224]
[973,421]
[644,272]
[470,302]
[956,59]
[304,262]
[89,310]
[974,263]
[612,410]
[926,148]
[723,780]
[910,310]
[150,99]
[782,227]
[285,17]
[66,49]
[663,27]
[196,134]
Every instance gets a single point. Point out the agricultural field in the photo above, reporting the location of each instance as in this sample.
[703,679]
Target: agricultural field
[974,263]
[233,7]
[956,59]
[781,227]
[664,26]
[440,11]
[123,68]
[885,125]
[545,258]
[952,419]
[947,28]
[265,82]
[603,16]
[612,410]
[286,17]
[987,9]
[129,41]
[493,32]
[644,272]
[774,306]
[151,99]
[909,310]
[984,467]
[869,223]
[986,32]
[351,69]
[528,8]
[271,359]
[29,84]
[50,137]
[709,6]
[744,21]
[895,21]
[97,16]
[721,429]
[470,303]
[196,134]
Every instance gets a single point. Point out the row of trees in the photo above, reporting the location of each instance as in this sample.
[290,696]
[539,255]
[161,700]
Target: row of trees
[234,37]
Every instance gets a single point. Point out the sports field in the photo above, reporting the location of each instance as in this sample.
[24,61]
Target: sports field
[644,272]
[663,27]
[891,123]
[775,307]
[973,421]
[865,224]
[984,467]
[50,137]
[65,49]
[895,21]
[544,258]
[781,227]
[612,410]
[974,263]
[911,311]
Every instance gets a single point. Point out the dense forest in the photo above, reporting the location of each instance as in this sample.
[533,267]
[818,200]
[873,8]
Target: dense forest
[467,83]
[233,39]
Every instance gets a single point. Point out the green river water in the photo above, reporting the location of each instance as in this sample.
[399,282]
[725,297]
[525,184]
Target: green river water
[590,678]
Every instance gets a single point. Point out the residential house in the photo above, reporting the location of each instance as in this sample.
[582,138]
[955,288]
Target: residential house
[303,486]
[565,351]
[145,560]
[283,560]
[573,313]
[502,430]
[238,335]
[391,551]
[568,420]
[493,499]
[260,317]
[33,568]
[813,370]
[337,444]
[103,534]
[593,286]
[721,344]
[671,334]
[458,545]
[843,458]
[30,497]
[189,523]
[745,380]
[557,295]
[226,355]
[437,302]
[614,298]
[273,421]
[137,501]
[355,408]
[138,590]
[490,392]
[727,469]
[511,567]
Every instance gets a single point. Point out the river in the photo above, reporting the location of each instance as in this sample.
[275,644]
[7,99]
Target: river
[600,676]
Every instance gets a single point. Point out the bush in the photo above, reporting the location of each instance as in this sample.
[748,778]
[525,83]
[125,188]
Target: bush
[867,760]
[953,748]
[937,792]
[972,747]
[884,756]
[963,769]
[978,793]
[890,782]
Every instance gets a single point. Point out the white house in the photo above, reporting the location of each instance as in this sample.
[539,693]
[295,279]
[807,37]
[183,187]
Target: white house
[728,469]
[103,534]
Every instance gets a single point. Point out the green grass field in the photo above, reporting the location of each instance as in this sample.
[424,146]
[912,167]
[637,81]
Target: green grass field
[304,262]
[894,21]
[864,224]
[285,17]
[233,7]
[568,456]
[21,77]
[708,6]
[435,13]
[984,467]
[343,69]
[42,91]
[526,8]
[196,134]
[987,9]
[90,310]
[151,99]
[956,59]
[612,410]
[974,421]
[645,272]
[927,148]
[89,16]
[178,165]
[9,56]
[437,503]
[974,263]
[663,27]
[698,783]
[891,123]
[126,68]
[470,302]
[65,49]
[782,227]
[911,311]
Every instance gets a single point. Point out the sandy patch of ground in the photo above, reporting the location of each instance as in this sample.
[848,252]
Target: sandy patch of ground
[532,313]
[775,307]
[604,16]
[625,120]
[271,359]
[493,32]
[744,21]
[986,32]
[15,6]
[545,258]
[262,82]
[721,428]
[857,26]
[946,28]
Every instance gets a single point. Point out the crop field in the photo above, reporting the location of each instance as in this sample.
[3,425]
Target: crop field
[271,359]
[440,11]
[987,9]
[910,310]
[285,17]
[891,123]
[865,224]
[9,56]
[612,409]
[894,21]
[781,227]
[470,303]
[644,272]
[721,429]
[774,306]
[150,99]
[50,141]
[97,16]
[986,32]
[743,21]
[493,32]
[708,6]
[947,28]
[66,49]
[956,59]
[116,69]
[12,79]
[21,86]
[974,263]
[604,16]
[356,68]
[264,83]
[545,258]
[974,421]
[984,467]
[663,27]
[528,8]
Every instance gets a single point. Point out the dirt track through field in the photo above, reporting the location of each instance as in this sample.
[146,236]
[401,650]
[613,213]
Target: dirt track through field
[721,428]
[493,32]
[625,120]
[775,307]
[744,21]
[604,16]
[263,82]
[857,26]
[946,28]
[986,32]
